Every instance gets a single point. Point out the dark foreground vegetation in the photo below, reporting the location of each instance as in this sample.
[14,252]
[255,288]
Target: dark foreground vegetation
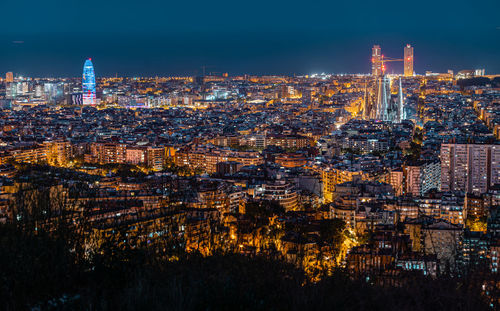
[45,273]
[49,261]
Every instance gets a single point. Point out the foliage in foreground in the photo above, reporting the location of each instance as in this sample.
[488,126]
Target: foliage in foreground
[38,271]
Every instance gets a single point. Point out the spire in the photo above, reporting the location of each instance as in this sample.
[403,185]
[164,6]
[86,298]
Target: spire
[401,115]
[383,98]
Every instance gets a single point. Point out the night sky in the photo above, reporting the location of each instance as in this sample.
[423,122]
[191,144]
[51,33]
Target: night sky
[149,38]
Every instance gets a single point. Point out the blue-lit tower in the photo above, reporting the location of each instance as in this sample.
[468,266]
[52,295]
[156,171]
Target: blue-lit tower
[88,83]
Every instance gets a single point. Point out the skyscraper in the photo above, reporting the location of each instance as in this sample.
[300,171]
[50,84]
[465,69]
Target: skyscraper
[376,60]
[88,83]
[408,60]
[9,77]
[472,168]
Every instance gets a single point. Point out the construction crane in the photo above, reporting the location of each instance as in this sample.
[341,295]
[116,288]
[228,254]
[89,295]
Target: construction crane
[383,60]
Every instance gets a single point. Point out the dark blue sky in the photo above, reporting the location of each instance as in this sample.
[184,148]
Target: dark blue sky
[53,37]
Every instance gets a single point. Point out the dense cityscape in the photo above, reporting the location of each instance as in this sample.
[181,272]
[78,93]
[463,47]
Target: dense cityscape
[385,177]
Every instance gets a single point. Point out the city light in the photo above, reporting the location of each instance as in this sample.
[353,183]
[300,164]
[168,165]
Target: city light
[164,179]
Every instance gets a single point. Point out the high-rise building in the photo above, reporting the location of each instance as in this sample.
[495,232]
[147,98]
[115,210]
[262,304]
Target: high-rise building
[376,60]
[88,84]
[9,77]
[10,90]
[472,168]
[408,60]
[421,177]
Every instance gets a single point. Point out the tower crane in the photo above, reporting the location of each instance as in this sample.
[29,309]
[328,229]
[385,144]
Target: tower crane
[384,60]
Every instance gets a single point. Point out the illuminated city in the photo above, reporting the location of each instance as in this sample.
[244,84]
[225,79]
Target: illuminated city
[229,189]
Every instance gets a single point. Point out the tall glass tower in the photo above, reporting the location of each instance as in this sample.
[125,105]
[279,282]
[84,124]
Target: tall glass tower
[88,83]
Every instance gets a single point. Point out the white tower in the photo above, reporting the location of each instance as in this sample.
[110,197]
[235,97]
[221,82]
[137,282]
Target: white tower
[401,103]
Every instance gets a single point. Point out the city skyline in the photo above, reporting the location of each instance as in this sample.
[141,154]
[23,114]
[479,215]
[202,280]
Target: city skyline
[277,155]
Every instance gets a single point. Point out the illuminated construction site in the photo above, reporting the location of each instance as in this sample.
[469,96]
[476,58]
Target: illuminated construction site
[379,103]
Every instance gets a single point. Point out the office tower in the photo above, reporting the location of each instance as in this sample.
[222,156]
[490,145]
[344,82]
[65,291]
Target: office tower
[88,84]
[9,77]
[472,168]
[10,90]
[408,60]
[376,60]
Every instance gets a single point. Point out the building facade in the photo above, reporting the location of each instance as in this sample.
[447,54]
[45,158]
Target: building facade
[88,83]
[376,60]
[472,168]
[408,61]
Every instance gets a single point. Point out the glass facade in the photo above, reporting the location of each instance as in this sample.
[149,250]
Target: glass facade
[88,84]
